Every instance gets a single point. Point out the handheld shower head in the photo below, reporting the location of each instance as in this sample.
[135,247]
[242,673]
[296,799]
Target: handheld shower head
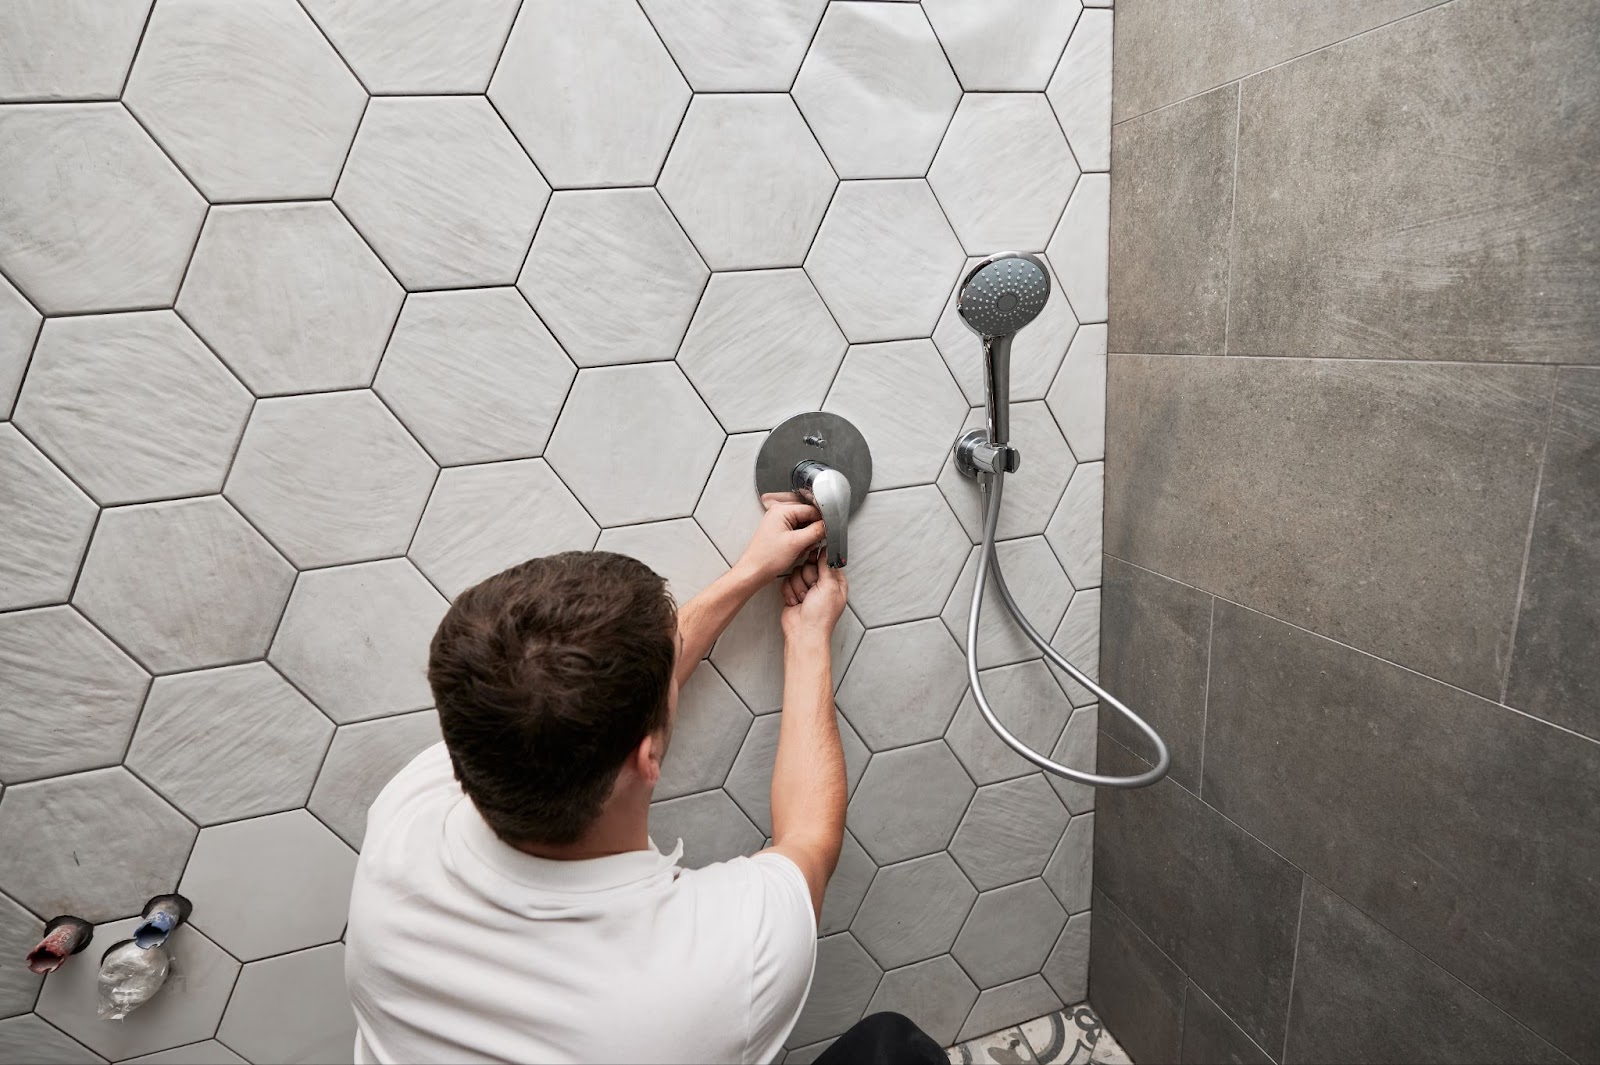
[999,296]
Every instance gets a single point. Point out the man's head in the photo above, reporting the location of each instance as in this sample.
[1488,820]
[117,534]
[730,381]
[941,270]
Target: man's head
[548,677]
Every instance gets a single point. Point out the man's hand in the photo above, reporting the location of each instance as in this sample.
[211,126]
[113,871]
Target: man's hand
[787,532]
[813,596]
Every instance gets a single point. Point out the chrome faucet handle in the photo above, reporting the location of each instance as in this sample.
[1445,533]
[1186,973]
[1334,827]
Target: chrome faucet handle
[829,491]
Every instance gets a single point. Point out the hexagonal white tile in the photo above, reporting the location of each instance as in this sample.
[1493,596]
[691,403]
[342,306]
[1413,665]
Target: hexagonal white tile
[1080,247]
[52,50]
[19,932]
[1078,395]
[1076,750]
[127,844]
[68,697]
[1009,44]
[1075,530]
[1080,91]
[97,219]
[1032,493]
[903,685]
[613,276]
[710,825]
[750,778]
[1070,871]
[19,327]
[45,526]
[1009,933]
[635,443]
[1035,355]
[1009,832]
[1014,134]
[747,180]
[355,638]
[846,887]
[247,96]
[331,478]
[183,585]
[442,190]
[730,46]
[908,552]
[676,549]
[729,509]
[30,1039]
[308,986]
[418,46]
[882,257]
[750,651]
[1027,702]
[290,297]
[844,980]
[482,519]
[474,375]
[914,910]
[1040,588]
[762,346]
[1078,639]
[909,802]
[132,405]
[590,91]
[706,734]
[902,398]
[363,758]
[186,1010]
[269,885]
[228,743]
[877,90]
[934,993]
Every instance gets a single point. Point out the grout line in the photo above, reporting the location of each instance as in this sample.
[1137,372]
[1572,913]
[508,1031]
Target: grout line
[1527,545]
[1233,211]
[1294,965]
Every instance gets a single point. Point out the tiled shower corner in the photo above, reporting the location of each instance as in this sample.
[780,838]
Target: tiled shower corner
[314,313]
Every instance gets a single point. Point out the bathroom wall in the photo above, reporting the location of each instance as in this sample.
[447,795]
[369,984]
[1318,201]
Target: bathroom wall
[314,313]
[1352,532]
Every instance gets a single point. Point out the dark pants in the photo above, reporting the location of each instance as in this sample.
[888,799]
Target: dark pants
[884,1039]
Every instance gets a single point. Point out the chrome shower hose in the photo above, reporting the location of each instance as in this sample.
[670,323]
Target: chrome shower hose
[990,485]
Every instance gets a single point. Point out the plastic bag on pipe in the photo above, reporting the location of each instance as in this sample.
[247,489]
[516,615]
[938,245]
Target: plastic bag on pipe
[129,977]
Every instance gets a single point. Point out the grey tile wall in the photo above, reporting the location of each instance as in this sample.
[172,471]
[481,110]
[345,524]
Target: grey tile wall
[312,314]
[1351,533]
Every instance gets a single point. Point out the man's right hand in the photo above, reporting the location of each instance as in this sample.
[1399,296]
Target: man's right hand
[814,597]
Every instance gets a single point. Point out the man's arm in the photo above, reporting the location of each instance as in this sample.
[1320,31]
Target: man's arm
[787,531]
[808,777]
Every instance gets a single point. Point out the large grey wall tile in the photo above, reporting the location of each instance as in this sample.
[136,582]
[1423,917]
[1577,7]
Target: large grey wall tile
[1009,933]
[606,118]
[1438,793]
[1136,989]
[1009,832]
[1212,897]
[904,684]
[308,986]
[45,525]
[731,46]
[132,405]
[901,397]
[94,218]
[613,276]
[443,191]
[1456,219]
[1009,44]
[227,743]
[362,759]
[1209,1035]
[1279,461]
[1155,646]
[844,981]
[1165,54]
[1362,994]
[1555,671]
[184,584]
[290,297]
[935,994]
[98,844]
[331,478]
[68,696]
[19,328]
[909,802]
[355,638]
[418,46]
[1171,207]
[1014,134]
[51,50]
[914,910]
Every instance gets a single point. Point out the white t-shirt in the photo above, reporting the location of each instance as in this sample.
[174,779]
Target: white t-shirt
[464,949]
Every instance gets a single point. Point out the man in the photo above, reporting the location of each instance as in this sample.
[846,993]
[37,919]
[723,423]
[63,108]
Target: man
[509,904]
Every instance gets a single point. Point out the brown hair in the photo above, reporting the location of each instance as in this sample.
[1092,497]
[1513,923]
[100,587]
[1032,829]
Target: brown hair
[546,676]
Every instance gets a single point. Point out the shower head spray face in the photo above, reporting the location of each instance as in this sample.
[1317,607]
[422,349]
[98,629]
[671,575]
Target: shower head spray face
[1003,293]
